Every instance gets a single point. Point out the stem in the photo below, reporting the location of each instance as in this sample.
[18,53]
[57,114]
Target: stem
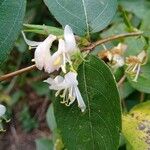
[121,80]
[92,46]
[111,38]
[18,72]
[142,96]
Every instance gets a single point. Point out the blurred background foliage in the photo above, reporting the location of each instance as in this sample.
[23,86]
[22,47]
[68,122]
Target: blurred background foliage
[28,98]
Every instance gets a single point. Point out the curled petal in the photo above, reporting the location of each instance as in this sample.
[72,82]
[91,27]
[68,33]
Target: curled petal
[2,110]
[69,39]
[42,54]
[29,42]
[81,103]
[61,46]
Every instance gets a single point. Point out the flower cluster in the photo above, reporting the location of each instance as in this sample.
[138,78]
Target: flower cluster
[45,60]
[134,64]
[114,57]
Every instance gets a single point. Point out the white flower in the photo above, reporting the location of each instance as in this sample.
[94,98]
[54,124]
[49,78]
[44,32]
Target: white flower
[70,41]
[2,110]
[118,61]
[69,85]
[117,53]
[114,57]
[42,55]
[134,64]
[66,48]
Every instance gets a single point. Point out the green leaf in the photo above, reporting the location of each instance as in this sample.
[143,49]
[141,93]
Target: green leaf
[11,19]
[143,82]
[98,127]
[118,28]
[145,26]
[136,127]
[135,45]
[44,144]
[125,90]
[83,16]
[138,7]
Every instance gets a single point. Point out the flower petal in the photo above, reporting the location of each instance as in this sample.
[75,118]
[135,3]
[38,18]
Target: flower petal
[119,61]
[42,54]
[69,39]
[61,46]
[57,83]
[71,78]
[29,42]
[141,56]
[2,110]
[81,103]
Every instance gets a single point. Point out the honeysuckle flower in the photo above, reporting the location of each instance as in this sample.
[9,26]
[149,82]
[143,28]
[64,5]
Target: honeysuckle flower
[42,55]
[2,110]
[68,86]
[66,48]
[134,64]
[114,57]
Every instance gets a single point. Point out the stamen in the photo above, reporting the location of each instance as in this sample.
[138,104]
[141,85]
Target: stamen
[57,93]
[137,74]
[136,65]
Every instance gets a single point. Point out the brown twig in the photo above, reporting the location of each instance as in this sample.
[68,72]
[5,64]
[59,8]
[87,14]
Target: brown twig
[92,46]
[121,80]
[111,38]
[18,72]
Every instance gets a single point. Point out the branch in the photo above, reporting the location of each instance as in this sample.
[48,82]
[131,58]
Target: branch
[121,80]
[111,38]
[18,72]
[93,45]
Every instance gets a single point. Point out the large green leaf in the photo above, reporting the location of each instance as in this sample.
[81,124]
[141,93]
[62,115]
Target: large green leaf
[136,127]
[11,18]
[98,127]
[135,45]
[83,16]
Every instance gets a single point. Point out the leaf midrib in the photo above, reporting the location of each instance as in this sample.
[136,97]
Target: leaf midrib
[89,111]
[86,17]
